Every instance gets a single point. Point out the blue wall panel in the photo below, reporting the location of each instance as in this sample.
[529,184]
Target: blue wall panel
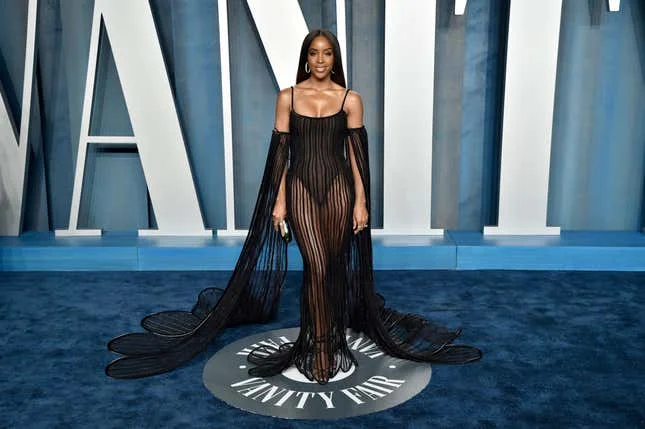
[598,151]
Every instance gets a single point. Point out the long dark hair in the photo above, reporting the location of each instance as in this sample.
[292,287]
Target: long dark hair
[338,74]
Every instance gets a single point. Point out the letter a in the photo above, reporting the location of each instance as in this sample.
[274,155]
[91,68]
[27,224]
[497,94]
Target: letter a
[137,54]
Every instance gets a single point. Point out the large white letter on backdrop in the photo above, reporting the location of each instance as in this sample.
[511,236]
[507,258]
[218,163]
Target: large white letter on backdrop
[531,60]
[531,64]
[407,159]
[13,142]
[137,54]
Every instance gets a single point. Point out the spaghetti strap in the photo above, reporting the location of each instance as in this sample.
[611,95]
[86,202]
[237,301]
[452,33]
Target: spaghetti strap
[346,92]
[292,98]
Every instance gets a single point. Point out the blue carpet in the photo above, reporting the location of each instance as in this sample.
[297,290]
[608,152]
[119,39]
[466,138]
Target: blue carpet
[561,350]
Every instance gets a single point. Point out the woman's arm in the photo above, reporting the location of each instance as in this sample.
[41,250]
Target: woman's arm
[282,110]
[354,105]
[281,124]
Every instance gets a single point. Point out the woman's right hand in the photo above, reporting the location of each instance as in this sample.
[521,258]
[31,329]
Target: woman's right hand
[279,213]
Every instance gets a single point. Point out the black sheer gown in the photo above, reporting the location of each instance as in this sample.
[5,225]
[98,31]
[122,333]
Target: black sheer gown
[337,285]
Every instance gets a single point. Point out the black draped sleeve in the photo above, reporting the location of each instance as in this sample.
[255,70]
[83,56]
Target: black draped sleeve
[403,335]
[251,295]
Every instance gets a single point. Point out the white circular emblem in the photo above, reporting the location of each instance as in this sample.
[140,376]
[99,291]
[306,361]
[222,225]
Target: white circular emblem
[292,373]
[377,383]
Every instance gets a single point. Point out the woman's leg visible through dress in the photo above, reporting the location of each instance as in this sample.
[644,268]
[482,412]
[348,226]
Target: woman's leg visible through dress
[315,317]
[336,218]
[322,232]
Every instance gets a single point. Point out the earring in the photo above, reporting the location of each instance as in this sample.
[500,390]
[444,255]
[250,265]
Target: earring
[307,69]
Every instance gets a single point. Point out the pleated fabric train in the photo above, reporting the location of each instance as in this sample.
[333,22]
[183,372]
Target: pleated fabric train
[337,289]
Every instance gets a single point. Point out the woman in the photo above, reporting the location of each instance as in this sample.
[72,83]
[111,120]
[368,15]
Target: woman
[316,179]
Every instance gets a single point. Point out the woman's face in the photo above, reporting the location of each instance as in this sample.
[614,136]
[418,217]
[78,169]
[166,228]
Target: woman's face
[320,57]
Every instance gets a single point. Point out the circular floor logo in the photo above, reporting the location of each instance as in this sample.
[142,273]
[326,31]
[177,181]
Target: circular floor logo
[378,382]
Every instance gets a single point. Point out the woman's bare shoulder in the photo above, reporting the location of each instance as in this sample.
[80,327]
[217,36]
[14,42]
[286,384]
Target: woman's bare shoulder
[354,96]
[284,97]
[354,101]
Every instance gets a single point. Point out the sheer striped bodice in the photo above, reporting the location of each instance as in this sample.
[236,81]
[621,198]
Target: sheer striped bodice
[318,150]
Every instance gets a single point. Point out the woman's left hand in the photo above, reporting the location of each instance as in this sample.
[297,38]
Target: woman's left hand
[360,217]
